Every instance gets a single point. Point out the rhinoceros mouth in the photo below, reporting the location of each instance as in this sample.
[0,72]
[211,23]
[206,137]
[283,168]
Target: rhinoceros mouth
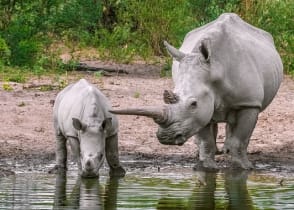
[179,140]
[89,174]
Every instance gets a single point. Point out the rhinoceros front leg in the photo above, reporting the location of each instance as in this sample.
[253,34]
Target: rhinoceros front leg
[207,147]
[238,135]
[61,154]
[112,157]
[75,148]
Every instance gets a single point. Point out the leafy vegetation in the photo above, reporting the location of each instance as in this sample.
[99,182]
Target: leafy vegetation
[4,52]
[121,30]
[7,87]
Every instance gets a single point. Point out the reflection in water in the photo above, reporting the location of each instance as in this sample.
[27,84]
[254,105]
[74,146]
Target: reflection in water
[203,196]
[237,194]
[86,194]
[236,188]
[152,190]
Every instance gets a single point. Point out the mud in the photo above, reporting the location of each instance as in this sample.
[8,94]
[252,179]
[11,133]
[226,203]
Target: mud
[27,133]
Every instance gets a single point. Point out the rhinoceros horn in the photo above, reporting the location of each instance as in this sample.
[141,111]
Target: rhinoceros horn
[175,53]
[159,114]
[169,97]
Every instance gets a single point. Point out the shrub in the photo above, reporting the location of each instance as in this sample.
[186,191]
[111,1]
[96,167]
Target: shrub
[25,53]
[124,30]
[4,52]
[277,18]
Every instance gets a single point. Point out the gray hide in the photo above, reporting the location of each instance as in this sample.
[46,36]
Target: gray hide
[81,117]
[225,71]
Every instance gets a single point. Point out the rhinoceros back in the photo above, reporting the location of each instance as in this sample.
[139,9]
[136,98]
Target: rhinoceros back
[245,66]
[71,103]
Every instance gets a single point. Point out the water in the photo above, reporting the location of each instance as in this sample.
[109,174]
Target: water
[165,189]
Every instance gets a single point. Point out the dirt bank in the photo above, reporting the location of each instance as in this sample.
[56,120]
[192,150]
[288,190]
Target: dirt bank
[27,132]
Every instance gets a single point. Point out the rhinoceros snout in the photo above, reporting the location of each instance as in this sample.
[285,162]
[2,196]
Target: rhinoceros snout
[177,139]
[91,165]
[89,170]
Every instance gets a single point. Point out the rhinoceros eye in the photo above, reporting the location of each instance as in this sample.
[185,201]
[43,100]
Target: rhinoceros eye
[193,104]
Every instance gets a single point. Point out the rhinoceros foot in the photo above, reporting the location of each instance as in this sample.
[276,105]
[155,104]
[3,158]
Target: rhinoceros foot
[207,165]
[57,169]
[219,152]
[117,172]
[242,163]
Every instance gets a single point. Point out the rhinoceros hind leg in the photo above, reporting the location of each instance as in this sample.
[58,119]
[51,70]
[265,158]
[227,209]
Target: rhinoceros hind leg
[207,147]
[238,135]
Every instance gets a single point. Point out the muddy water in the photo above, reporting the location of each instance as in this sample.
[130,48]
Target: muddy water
[167,188]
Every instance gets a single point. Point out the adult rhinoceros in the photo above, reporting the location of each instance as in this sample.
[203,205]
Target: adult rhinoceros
[225,71]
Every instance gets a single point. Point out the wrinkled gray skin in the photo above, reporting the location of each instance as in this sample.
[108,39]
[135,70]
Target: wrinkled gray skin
[81,117]
[225,71]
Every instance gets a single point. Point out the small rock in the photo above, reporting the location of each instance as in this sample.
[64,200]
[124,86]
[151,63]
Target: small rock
[39,129]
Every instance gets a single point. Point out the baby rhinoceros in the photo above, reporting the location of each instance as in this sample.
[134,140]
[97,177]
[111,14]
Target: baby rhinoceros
[81,117]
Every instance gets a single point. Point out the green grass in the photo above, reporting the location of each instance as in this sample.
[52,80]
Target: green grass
[13,74]
[137,95]
[7,87]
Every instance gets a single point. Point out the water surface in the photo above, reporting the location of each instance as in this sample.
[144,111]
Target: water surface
[164,189]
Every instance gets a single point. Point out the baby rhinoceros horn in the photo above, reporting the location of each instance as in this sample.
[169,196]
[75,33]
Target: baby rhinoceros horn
[159,114]
[169,97]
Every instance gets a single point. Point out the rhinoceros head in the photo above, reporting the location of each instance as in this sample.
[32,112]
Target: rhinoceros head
[190,107]
[91,137]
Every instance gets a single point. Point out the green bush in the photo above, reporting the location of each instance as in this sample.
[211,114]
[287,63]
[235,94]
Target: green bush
[76,18]
[207,11]
[128,29]
[25,53]
[21,37]
[4,52]
[141,26]
[277,18]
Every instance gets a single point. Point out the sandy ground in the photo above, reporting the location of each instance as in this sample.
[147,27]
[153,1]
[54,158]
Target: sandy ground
[27,130]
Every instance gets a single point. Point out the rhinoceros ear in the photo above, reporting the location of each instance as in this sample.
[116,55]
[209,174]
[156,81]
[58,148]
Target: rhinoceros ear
[174,52]
[77,124]
[169,97]
[107,123]
[205,49]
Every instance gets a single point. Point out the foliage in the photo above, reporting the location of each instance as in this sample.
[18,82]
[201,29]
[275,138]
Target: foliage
[4,52]
[7,87]
[276,17]
[24,53]
[98,74]
[137,94]
[10,74]
[141,27]
[76,19]
[207,11]
[124,30]
[273,16]
[166,70]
